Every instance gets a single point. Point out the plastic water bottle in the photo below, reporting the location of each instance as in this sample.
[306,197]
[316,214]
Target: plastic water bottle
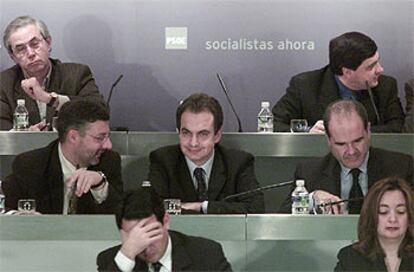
[265,118]
[300,198]
[21,116]
[2,200]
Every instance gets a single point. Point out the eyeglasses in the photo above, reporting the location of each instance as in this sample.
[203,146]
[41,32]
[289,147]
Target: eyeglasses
[100,138]
[22,49]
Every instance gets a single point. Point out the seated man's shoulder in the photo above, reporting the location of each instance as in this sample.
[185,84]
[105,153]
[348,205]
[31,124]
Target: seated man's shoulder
[392,156]
[38,153]
[9,75]
[313,75]
[69,66]
[107,256]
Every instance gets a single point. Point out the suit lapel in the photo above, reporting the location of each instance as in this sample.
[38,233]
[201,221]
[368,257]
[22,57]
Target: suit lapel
[217,176]
[331,178]
[55,181]
[375,168]
[185,179]
[53,86]
[180,259]
[329,91]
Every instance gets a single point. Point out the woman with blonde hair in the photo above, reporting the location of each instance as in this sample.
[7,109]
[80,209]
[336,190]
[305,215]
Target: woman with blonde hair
[385,230]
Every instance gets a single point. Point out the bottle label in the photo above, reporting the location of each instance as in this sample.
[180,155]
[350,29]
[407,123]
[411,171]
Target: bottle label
[21,120]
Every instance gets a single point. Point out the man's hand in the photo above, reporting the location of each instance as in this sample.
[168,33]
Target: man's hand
[318,127]
[83,180]
[323,196]
[32,87]
[195,206]
[39,126]
[140,237]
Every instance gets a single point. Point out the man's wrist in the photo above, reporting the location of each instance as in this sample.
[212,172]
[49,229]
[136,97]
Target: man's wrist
[102,182]
[53,100]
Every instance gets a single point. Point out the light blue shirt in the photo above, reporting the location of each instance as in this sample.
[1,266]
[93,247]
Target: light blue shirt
[207,166]
[346,179]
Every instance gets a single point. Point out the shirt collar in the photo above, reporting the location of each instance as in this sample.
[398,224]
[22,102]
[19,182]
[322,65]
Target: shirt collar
[363,167]
[344,91]
[166,259]
[207,166]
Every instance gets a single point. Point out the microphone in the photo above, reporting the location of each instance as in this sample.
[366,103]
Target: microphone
[112,88]
[223,87]
[371,98]
[260,189]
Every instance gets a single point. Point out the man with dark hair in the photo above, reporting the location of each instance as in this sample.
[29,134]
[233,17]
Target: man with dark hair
[78,173]
[352,166]
[199,171]
[44,83]
[354,72]
[149,245]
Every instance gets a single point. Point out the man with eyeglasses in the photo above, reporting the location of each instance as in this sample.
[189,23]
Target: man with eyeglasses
[44,83]
[78,173]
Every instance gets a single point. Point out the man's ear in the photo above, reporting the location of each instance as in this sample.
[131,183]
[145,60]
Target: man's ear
[72,135]
[166,220]
[217,136]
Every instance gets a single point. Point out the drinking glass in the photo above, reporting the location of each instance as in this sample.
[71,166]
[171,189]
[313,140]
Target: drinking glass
[26,206]
[172,206]
[299,125]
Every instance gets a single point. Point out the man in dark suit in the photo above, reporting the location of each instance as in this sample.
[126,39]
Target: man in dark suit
[353,72]
[331,178]
[409,97]
[78,173]
[44,83]
[148,245]
[199,171]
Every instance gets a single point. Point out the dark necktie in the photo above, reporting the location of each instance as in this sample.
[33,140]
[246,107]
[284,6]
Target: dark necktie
[201,183]
[354,207]
[157,266]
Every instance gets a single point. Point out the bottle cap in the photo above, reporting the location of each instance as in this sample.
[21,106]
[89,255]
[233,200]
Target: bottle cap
[265,104]
[146,183]
[300,182]
[20,102]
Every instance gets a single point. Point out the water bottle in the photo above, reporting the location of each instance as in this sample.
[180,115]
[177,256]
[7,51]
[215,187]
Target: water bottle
[300,198]
[21,116]
[265,118]
[2,200]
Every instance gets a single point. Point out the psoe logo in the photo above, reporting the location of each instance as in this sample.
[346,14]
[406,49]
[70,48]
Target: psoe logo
[176,38]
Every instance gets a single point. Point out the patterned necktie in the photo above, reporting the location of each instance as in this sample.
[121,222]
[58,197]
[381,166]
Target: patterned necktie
[354,207]
[201,183]
[157,266]
[73,200]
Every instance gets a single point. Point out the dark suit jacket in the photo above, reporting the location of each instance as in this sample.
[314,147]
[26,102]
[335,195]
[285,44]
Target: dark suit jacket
[325,173]
[350,259]
[189,253]
[409,97]
[310,93]
[37,174]
[70,79]
[232,172]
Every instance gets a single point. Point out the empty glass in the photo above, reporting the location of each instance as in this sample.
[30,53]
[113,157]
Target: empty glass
[299,125]
[172,206]
[26,206]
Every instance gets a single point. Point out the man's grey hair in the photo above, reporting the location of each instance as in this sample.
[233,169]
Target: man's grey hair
[20,22]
